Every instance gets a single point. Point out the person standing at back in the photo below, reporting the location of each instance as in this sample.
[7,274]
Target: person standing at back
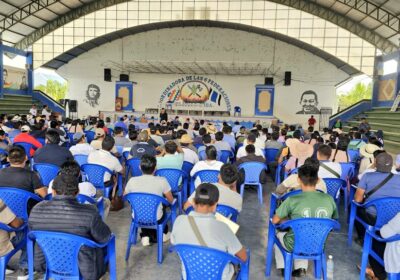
[308,204]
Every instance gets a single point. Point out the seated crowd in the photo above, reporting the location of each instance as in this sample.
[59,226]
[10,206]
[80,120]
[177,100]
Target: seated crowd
[301,160]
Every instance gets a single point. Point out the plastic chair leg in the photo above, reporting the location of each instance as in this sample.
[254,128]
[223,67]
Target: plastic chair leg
[270,248]
[317,269]
[288,266]
[241,190]
[365,254]
[260,193]
[324,267]
[112,262]
[29,249]
[2,268]
[160,230]
[132,236]
[351,226]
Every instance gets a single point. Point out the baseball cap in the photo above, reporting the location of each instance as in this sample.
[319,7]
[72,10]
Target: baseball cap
[25,128]
[99,132]
[78,136]
[384,163]
[207,194]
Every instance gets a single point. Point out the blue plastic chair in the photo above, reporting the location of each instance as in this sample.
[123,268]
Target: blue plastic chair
[224,210]
[17,200]
[198,146]
[94,174]
[348,170]
[47,172]
[3,153]
[81,198]
[133,167]
[205,176]
[386,209]
[111,131]
[333,187]
[202,155]
[278,174]
[371,234]
[309,242]
[354,155]
[175,178]
[187,167]
[144,209]
[41,141]
[89,134]
[125,155]
[270,154]
[275,199]
[81,159]
[225,156]
[61,251]
[120,149]
[208,263]
[252,172]
[70,136]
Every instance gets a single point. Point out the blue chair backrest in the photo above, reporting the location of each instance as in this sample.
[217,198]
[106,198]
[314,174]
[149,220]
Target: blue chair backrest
[111,131]
[386,209]
[27,147]
[17,200]
[333,186]
[61,252]
[41,141]
[203,262]
[225,155]
[187,167]
[95,173]
[276,198]
[47,172]
[173,176]
[202,155]
[348,170]
[270,154]
[89,135]
[310,234]
[252,171]
[144,207]
[198,145]
[120,149]
[81,159]
[207,176]
[279,169]
[227,211]
[353,155]
[134,166]
[70,137]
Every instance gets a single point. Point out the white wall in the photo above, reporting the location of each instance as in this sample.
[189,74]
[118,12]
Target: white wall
[309,72]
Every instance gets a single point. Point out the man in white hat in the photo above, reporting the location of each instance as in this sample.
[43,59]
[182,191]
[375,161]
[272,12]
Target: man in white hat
[367,154]
[26,138]
[188,154]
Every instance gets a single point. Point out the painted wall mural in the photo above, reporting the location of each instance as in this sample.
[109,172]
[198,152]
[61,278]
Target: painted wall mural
[309,103]
[92,95]
[195,92]
[14,78]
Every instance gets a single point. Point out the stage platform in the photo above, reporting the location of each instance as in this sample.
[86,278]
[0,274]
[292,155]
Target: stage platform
[244,120]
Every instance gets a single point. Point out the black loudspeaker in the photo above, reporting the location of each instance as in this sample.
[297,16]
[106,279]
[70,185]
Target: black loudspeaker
[107,74]
[269,81]
[288,78]
[124,78]
[73,106]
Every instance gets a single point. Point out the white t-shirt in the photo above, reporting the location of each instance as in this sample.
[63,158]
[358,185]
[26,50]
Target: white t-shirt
[33,112]
[149,184]
[242,152]
[205,165]
[216,235]
[190,156]
[106,159]
[46,113]
[323,173]
[259,143]
[226,197]
[81,149]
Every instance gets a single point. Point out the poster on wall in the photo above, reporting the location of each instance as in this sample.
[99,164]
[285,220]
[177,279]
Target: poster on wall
[92,95]
[14,78]
[195,92]
[308,103]
[118,103]
[264,105]
[124,92]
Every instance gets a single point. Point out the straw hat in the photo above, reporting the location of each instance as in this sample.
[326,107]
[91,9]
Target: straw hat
[211,129]
[368,150]
[302,150]
[291,143]
[185,139]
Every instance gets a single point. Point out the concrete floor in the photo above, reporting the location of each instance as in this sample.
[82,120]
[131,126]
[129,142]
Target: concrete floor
[253,219]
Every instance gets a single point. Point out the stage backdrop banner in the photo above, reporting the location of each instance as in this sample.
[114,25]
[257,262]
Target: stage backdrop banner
[264,105]
[124,91]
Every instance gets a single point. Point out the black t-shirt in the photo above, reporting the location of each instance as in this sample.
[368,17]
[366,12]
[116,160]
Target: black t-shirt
[163,116]
[20,178]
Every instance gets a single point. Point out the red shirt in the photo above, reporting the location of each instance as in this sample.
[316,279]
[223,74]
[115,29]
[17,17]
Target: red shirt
[311,121]
[25,137]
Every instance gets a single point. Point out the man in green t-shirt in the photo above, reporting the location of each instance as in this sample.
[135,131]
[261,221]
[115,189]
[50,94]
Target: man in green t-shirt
[308,204]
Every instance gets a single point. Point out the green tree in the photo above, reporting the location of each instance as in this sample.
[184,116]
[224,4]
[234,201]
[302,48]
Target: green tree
[54,88]
[358,92]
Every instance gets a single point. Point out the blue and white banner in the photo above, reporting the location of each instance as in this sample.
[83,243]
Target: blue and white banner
[124,90]
[264,105]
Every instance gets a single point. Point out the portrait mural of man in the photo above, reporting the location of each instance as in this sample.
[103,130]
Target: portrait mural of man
[309,103]
[92,95]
